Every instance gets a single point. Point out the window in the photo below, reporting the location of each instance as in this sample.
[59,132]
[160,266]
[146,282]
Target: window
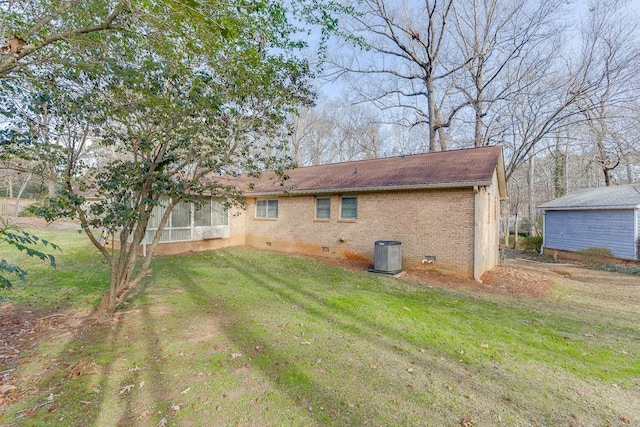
[348,208]
[323,208]
[267,209]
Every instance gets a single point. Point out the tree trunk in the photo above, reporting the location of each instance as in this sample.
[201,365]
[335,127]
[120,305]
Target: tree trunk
[559,171]
[107,306]
[631,177]
[505,213]
[442,135]
[515,231]
[533,231]
[607,176]
[120,284]
[114,296]
[123,273]
[22,188]
[477,137]
[433,147]
[477,105]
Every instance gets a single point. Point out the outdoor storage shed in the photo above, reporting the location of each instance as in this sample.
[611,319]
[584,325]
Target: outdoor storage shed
[605,217]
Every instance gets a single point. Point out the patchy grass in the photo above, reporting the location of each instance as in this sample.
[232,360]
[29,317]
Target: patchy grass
[619,268]
[80,275]
[242,337]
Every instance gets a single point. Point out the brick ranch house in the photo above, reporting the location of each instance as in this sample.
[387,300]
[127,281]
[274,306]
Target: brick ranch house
[443,206]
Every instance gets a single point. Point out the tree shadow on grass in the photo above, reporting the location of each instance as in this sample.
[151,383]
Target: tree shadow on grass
[492,387]
[82,381]
[280,366]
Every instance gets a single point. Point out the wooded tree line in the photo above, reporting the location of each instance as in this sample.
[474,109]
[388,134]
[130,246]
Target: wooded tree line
[554,82]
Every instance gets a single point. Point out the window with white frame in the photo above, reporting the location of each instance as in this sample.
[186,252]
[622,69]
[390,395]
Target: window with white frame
[267,208]
[323,207]
[348,207]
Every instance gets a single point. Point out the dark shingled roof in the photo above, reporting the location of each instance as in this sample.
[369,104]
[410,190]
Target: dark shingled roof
[614,197]
[444,169]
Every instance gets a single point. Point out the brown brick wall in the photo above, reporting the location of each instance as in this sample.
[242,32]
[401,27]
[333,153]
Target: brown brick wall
[428,223]
[437,223]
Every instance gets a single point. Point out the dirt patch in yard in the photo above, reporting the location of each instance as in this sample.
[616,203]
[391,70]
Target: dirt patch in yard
[503,279]
[510,278]
[526,278]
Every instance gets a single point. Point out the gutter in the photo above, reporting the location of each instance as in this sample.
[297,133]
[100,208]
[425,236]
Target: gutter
[446,185]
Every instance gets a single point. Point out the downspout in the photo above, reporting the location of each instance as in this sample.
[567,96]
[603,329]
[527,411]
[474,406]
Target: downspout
[544,229]
[637,233]
[476,252]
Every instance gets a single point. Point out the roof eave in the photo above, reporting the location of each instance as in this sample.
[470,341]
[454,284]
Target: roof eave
[294,192]
[586,208]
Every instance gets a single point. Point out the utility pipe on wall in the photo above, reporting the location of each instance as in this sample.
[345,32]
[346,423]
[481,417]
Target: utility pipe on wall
[476,253]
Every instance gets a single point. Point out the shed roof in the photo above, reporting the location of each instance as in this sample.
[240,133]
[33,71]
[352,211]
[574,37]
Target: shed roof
[613,197]
[443,169]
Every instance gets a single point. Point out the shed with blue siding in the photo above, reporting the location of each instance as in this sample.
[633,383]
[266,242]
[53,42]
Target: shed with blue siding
[606,217]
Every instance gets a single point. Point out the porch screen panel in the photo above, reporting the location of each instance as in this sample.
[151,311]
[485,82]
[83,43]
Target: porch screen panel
[154,223]
[202,215]
[156,216]
[220,213]
[181,215]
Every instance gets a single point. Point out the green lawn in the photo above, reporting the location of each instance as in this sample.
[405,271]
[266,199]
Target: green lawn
[242,337]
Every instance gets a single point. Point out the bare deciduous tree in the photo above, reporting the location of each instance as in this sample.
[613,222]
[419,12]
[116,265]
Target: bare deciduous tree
[405,48]
[611,47]
[332,132]
[505,43]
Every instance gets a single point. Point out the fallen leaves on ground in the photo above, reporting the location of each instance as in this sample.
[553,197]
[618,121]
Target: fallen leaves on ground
[83,367]
[144,415]
[126,389]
